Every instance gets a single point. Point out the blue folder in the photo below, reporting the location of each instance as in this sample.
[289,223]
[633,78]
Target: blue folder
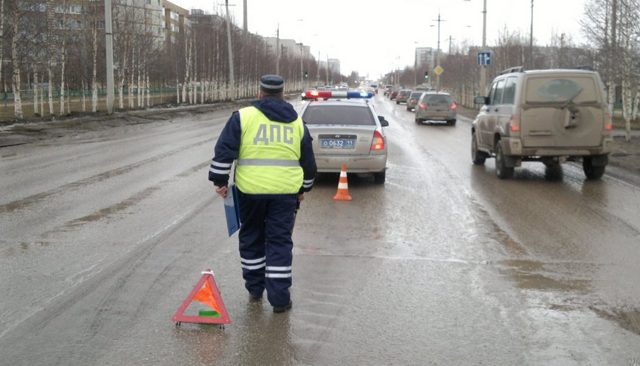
[231,210]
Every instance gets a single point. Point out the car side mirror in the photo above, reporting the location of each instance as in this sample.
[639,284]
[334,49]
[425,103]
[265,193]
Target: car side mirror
[383,122]
[481,100]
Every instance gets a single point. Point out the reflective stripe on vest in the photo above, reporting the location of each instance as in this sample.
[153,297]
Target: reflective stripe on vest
[268,162]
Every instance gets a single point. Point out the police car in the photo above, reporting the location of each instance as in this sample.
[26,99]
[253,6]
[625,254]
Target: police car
[346,130]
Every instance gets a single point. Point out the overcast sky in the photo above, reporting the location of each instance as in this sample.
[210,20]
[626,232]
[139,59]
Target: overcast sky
[373,36]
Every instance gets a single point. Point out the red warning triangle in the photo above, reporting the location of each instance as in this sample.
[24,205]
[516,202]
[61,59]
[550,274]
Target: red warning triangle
[206,292]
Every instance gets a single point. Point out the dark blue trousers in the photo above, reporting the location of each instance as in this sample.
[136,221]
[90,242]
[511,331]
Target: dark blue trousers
[266,245]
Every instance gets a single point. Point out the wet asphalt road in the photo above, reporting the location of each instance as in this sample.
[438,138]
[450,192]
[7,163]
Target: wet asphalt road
[104,233]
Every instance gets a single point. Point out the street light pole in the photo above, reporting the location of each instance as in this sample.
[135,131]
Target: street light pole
[483,68]
[231,76]
[439,20]
[531,40]
[301,67]
[109,54]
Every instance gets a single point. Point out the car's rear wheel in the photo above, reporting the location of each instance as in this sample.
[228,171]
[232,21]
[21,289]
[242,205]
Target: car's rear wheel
[502,170]
[418,121]
[397,102]
[478,157]
[379,178]
[592,171]
[451,122]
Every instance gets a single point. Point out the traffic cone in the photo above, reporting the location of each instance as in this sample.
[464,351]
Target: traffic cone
[343,187]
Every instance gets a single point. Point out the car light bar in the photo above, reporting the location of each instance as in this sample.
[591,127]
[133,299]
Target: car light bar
[326,94]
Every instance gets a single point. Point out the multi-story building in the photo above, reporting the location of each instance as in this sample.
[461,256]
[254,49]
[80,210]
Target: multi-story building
[289,48]
[424,57]
[176,20]
[334,65]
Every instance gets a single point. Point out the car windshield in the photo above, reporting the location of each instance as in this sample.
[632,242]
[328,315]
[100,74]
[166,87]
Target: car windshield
[338,115]
[561,90]
[415,95]
[435,99]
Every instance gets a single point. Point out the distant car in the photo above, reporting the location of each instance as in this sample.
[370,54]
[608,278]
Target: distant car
[393,94]
[403,95]
[347,131]
[543,115]
[436,106]
[414,97]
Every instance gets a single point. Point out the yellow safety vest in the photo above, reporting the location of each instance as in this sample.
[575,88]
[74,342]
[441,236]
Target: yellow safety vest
[268,162]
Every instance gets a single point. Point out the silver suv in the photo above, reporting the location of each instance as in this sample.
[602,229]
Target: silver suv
[543,115]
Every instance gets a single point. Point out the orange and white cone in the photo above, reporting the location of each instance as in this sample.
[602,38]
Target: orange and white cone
[343,187]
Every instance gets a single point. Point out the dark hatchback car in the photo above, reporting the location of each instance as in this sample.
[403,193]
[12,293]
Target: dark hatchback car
[412,102]
[403,95]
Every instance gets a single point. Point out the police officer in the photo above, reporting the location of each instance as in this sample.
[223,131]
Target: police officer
[275,165]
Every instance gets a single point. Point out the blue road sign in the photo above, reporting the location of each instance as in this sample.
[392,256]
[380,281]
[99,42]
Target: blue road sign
[484,58]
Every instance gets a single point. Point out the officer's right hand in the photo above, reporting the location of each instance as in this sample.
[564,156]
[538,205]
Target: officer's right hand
[221,191]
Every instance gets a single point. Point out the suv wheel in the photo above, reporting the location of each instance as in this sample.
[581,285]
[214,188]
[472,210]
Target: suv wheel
[418,121]
[591,171]
[451,122]
[379,178]
[502,171]
[478,157]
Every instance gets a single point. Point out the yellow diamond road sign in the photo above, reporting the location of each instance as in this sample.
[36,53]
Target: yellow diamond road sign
[438,70]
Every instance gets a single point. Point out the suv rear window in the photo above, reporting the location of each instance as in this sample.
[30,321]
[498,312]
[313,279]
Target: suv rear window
[416,95]
[338,115]
[434,99]
[561,89]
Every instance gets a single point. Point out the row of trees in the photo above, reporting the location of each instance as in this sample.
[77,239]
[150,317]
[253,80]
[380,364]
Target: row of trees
[612,48]
[52,52]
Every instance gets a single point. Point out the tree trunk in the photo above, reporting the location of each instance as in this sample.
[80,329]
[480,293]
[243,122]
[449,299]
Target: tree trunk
[148,91]
[94,85]
[130,91]
[1,37]
[139,90]
[63,59]
[84,99]
[51,113]
[15,82]
[42,100]
[36,112]
[627,105]
[187,55]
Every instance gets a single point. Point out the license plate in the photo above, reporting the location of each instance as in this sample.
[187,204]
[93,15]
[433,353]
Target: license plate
[337,142]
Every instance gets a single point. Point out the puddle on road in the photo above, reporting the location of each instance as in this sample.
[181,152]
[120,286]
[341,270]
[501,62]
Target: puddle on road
[532,275]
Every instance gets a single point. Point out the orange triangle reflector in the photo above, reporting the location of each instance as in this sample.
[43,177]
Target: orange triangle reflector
[206,292]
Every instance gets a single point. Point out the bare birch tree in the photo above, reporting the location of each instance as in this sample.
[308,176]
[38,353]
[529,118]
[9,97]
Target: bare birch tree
[15,63]
[63,55]
[1,38]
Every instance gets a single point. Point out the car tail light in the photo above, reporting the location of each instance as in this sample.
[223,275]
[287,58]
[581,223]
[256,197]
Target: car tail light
[423,106]
[608,125]
[453,106]
[514,125]
[378,141]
